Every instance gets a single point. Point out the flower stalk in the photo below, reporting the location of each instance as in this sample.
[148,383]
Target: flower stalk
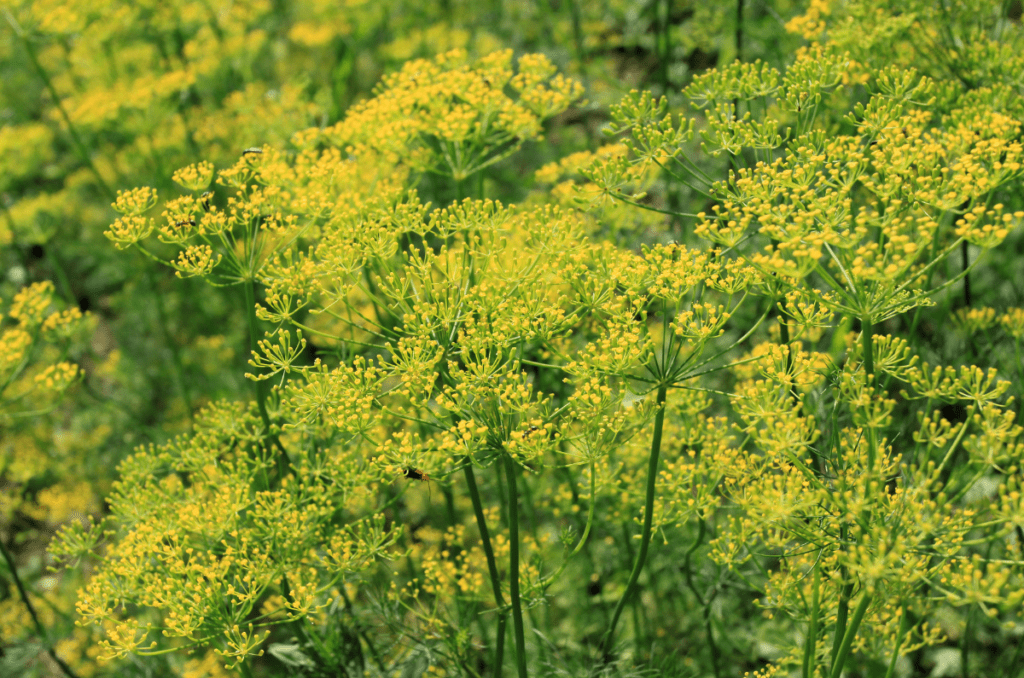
[645,537]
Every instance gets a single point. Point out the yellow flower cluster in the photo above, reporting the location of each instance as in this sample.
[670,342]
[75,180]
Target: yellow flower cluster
[452,115]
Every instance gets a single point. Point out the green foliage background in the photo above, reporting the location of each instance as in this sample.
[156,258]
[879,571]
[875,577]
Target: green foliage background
[509,338]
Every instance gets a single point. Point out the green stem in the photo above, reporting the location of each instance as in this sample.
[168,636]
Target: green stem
[586,530]
[664,43]
[362,632]
[811,646]
[513,565]
[60,274]
[262,386]
[178,364]
[249,286]
[492,566]
[844,604]
[966,261]
[706,604]
[645,537]
[485,538]
[904,627]
[739,31]
[577,31]
[1019,365]
[32,613]
[867,345]
[58,103]
[851,633]
[712,646]
[499,645]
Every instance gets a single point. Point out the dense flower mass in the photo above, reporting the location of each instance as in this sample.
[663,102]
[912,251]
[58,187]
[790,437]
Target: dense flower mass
[387,364]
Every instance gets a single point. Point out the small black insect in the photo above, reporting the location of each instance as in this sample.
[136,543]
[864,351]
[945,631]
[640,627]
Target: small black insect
[185,222]
[415,474]
[204,200]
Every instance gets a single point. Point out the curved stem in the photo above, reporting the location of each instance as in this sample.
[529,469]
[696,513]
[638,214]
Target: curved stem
[32,613]
[586,532]
[513,565]
[645,537]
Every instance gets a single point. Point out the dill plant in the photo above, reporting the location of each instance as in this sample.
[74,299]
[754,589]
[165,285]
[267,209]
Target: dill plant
[39,341]
[541,372]
[416,302]
[850,219]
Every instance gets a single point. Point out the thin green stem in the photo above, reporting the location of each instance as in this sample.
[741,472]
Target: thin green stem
[513,565]
[249,287]
[851,633]
[577,31]
[645,537]
[263,386]
[866,338]
[179,367]
[739,30]
[843,609]
[811,646]
[965,646]
[499,645]
[492,566]
[76,140]
[586,531]
[43,636]
[904,627]
[867,345]
[60,273]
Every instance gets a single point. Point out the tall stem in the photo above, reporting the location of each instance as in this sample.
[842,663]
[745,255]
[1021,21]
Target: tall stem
[811,647]
[867,345]
[281,459]
[851,633]
[739,30]
[513,565]
[645,537]
[249,287]
[492,566]
[499,645]
[904,628]
[966,261]
[846,588]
